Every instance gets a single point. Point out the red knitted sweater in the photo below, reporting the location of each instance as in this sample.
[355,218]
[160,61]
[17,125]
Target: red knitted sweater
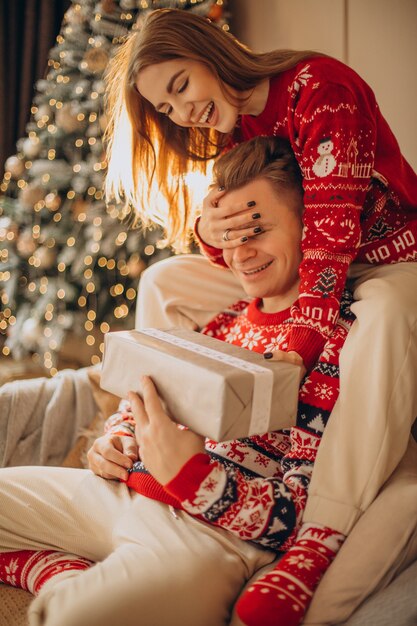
[254,487]
[360,194]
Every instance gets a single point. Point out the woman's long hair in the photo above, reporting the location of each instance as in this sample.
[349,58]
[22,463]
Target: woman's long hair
[145,147]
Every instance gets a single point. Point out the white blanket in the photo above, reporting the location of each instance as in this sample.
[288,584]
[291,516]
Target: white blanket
[41,418]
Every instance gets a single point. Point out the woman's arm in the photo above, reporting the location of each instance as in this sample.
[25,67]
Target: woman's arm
[332,122]
[228,226]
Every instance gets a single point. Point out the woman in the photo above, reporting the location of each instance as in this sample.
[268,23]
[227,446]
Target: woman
[184,90]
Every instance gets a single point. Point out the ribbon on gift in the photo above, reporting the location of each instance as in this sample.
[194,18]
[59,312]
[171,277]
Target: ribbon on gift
[263,377]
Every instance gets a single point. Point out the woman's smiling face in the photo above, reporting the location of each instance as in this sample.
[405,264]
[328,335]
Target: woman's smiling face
[189,94]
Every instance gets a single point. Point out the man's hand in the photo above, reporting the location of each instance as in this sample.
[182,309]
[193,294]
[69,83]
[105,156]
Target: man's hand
[164,446]
[111,456]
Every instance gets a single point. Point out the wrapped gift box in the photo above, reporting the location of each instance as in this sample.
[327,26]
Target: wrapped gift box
[218,390]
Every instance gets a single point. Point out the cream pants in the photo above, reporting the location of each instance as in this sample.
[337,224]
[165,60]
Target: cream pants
[369,428]
[153,569]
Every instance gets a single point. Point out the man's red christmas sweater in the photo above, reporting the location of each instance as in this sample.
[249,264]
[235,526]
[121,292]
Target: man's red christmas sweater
[255,487]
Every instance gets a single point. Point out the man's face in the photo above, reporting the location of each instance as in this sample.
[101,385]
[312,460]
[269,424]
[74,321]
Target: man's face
[267,264]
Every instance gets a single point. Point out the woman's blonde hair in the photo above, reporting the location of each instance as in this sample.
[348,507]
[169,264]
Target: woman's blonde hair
[156,150]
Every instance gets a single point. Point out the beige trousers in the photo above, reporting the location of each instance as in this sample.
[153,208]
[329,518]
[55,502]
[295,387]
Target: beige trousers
[369,428]
[153,569]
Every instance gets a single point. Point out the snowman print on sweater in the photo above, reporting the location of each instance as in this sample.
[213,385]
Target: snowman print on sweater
[326,162]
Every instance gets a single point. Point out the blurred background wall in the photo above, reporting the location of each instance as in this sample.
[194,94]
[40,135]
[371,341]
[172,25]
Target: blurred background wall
[377,38]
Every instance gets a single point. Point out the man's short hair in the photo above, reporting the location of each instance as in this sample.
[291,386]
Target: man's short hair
[270,158]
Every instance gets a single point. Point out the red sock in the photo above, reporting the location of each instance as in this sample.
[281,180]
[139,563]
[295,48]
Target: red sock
[281,597]
[31,569]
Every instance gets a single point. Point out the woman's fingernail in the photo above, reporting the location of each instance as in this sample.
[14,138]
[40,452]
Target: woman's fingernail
[220,189]
[257,230]
[256,216]
[268,355]
[243,239]
[251,203]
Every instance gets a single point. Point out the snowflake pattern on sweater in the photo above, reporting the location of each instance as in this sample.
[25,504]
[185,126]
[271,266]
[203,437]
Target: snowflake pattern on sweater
[255,487]
[359,192]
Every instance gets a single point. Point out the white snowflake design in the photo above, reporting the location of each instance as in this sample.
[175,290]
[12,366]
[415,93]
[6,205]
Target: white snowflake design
[323,391]
[251,339]
[11,571]
[277,343]
[329,351]
[301,561]
[302,78]
[233,334]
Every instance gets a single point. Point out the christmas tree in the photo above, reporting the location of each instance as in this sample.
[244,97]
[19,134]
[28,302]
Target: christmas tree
[70,265]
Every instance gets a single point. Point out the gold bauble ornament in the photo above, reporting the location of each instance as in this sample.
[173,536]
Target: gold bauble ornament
[45,257]
[66,118]
[7,227]
[96,60]
[31,147]
[108,6]
[31,195]
[15,166]
[135,267]
[75,15]
[53,201]
[44,111]
[215,13]
[80,206]
[25,244]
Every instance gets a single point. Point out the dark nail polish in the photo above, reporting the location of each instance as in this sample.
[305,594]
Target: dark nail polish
[251,203]
[257,230]
[220,189]
[268,355]
[256,216]
[243,239]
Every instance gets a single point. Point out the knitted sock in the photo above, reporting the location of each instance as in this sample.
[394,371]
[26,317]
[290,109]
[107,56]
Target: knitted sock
[31,569]
[281,597]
